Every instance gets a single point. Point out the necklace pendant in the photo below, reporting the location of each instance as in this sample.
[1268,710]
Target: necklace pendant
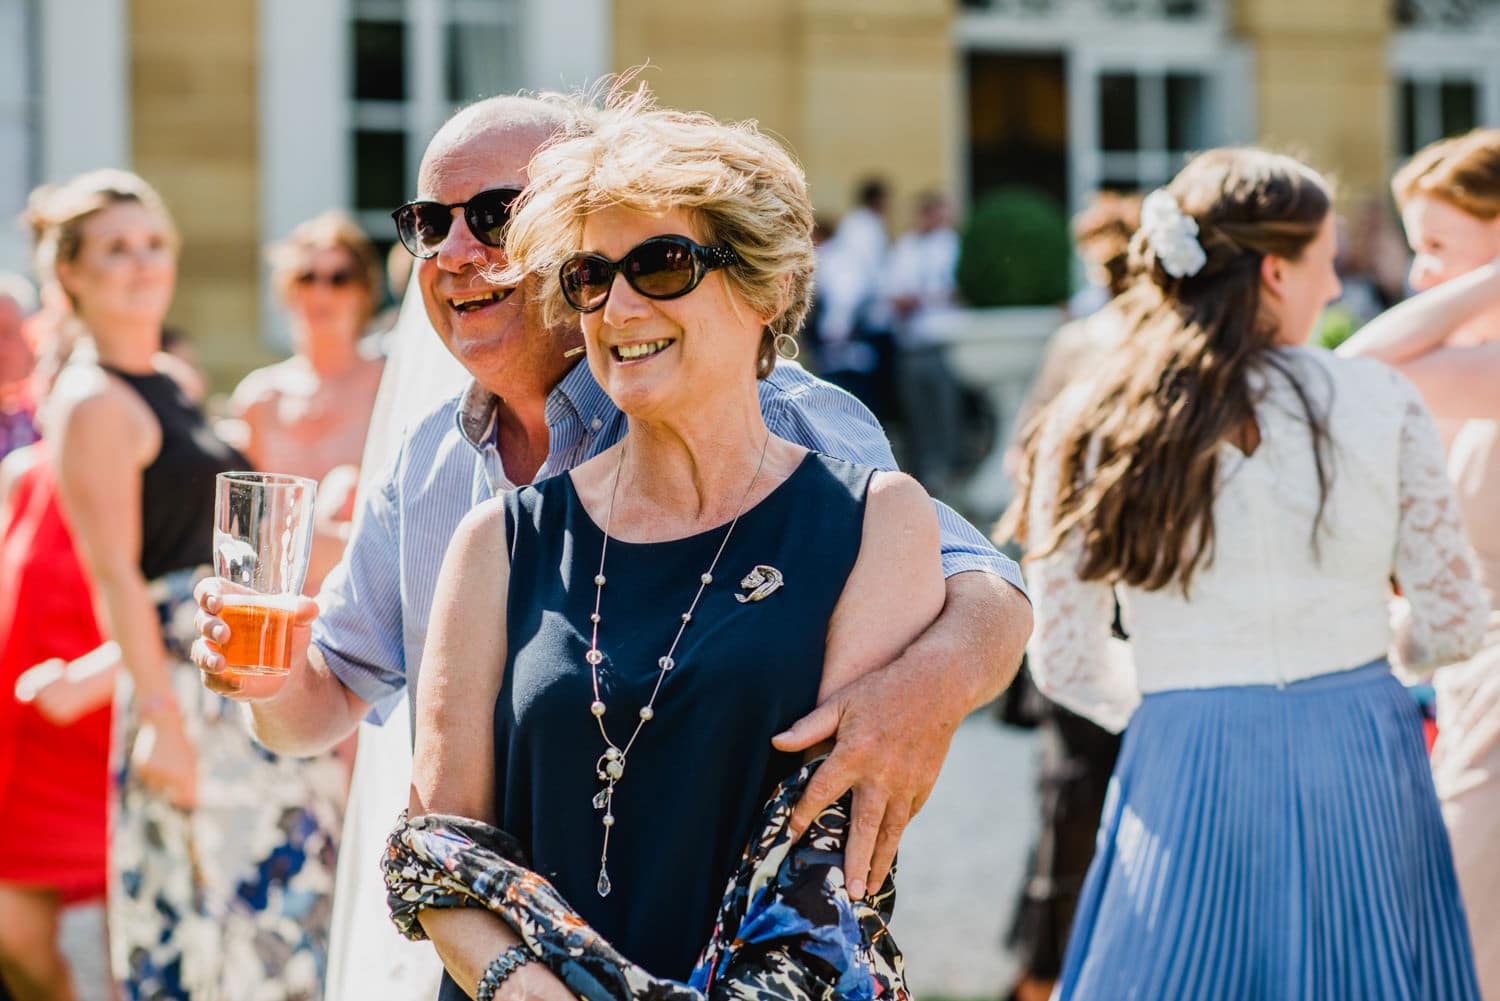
[601,799]
[604,885]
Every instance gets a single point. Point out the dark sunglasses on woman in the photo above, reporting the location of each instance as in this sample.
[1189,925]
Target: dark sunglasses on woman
[423,226]
[333,279]
[663,267]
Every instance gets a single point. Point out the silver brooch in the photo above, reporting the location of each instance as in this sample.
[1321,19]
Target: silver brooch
[760,582]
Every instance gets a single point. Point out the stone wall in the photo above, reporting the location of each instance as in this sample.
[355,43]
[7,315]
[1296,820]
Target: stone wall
[855,87]
[194,121]
[1324,90]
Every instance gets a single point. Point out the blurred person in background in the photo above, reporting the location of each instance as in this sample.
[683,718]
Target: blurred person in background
[838,353]
[57,682]
[1446,340]
[17,408]
[221,855]
[1102,235]
[1372,265]
[180,356]
[1372,260]
[854,328]
[54,736]
[1249,501]
[1077,755]
[309,415]
[398,271]
[918,287]
[862,231]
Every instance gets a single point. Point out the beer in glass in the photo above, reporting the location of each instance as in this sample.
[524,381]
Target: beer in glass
[263,529]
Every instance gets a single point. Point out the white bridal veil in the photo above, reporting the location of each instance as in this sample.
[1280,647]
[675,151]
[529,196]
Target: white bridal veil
[368,960]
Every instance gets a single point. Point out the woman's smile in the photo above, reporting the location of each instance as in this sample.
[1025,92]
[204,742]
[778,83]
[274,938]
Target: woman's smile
[637,352]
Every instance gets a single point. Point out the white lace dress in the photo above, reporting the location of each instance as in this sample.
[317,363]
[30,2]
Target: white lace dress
[1271,828]
[1269,608]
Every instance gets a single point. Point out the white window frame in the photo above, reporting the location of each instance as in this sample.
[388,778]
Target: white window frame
[308,115]
[1433,54]
[1093,44]
[76,59]
[18,122]
[563,44]
[1226,70]
[426,104]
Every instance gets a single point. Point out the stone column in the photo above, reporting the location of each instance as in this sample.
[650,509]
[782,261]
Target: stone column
[193,106]
[881,87]
[855,87]
[1324,87]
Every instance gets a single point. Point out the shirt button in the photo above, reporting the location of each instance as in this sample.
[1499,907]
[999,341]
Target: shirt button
[596,424]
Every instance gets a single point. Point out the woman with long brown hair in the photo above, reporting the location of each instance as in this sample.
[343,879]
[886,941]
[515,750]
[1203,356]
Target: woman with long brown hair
[1447,341]
[1271,828]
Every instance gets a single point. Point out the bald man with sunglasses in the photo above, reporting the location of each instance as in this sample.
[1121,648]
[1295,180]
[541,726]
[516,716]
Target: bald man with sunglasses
[533,410]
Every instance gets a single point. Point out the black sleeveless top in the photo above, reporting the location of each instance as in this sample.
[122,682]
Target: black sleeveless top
[177,489]
[704,767]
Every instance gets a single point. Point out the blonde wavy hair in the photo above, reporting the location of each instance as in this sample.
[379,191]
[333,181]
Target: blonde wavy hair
[740,186]
[1463,171]
[56,214]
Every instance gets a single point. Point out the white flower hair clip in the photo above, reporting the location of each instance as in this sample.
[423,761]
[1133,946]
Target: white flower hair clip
[1172,235]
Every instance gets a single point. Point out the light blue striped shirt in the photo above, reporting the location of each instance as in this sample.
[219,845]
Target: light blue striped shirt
[376,603]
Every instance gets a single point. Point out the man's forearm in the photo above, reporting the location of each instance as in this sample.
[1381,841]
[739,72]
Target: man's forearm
[977,641]
[311,714]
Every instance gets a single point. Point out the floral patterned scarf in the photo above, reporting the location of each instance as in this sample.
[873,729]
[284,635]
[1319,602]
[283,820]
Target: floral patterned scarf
[786,929]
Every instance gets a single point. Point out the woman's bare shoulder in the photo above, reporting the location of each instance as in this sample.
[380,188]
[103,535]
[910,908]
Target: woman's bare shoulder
[896,494]
[479,543]
[86,392]
[900,518]
[89,411]
[263,385]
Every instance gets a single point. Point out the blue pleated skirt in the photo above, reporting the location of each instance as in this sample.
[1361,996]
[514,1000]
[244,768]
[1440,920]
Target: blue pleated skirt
[1263,843]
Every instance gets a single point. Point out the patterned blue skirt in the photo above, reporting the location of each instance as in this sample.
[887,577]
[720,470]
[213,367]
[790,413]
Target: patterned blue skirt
[1262,843]
[232,900]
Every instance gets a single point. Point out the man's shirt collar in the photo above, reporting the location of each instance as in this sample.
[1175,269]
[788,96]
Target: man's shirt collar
[577,395]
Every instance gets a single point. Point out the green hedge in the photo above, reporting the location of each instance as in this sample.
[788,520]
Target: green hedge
[1015,250]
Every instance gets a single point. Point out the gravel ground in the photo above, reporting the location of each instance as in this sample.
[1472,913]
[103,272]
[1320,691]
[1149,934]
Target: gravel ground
[962,861]
[83,941]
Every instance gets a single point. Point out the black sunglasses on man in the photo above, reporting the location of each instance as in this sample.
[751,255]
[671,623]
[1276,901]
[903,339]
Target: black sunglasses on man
[423,226]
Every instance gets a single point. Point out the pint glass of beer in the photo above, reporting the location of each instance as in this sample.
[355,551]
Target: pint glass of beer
[263,530]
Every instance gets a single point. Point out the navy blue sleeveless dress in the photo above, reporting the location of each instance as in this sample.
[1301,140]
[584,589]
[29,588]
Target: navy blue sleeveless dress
[704,767]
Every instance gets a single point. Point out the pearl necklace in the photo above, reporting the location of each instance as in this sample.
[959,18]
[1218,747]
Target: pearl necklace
[611,764]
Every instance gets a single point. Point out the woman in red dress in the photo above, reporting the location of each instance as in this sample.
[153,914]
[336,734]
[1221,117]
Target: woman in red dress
[53,778]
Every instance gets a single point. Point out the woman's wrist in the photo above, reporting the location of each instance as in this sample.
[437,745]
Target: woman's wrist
[156,705]
[500,970]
